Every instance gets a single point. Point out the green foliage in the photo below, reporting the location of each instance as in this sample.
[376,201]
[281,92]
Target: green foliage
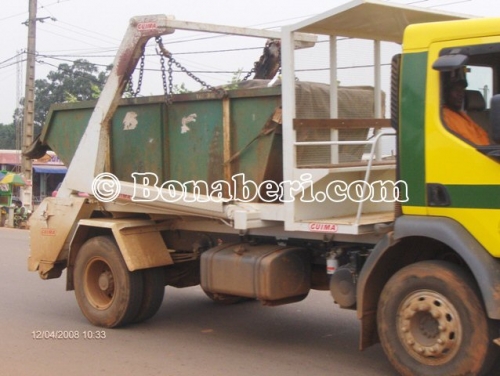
[235,80]
[96,90]
[180,89]
[70,83]
[70,98]
[7,136]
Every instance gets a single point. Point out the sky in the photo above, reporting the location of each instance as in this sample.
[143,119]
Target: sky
[93,29]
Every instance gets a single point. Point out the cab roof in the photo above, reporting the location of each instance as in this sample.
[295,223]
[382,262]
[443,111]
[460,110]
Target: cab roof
[371,19]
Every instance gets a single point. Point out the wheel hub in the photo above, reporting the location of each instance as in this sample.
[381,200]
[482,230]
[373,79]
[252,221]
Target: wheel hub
[429,327]
[99,283]
[106,283]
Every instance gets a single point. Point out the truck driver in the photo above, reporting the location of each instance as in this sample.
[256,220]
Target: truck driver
[456,119]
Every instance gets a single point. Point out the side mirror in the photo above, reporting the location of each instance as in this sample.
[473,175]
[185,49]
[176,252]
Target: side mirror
[495,119]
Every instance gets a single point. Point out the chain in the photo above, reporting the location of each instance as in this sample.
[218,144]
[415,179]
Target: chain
[141,75]
[250,72]
[170,77]
[171,60]
[164,80]
[130,84]
[168,88]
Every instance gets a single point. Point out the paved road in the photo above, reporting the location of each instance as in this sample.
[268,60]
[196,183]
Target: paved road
[189,336]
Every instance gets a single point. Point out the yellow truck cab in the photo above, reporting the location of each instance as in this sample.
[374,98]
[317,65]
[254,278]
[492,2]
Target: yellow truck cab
[450,175]
[448,231]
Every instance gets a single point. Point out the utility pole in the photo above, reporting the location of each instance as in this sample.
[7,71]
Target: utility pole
[18,119]
[29,107]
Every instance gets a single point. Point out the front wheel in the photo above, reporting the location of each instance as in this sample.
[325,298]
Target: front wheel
[431,322]
[109,295]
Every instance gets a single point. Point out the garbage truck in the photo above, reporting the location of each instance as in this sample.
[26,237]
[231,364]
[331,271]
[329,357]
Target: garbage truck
[270,189]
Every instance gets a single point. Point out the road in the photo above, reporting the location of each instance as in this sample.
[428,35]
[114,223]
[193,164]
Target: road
[189,336]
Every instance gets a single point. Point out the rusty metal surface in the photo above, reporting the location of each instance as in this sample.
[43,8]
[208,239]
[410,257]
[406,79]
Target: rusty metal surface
[136,239]
[270,61]
[138,141]
[182,141]
[195,138]
[265,272]
[52,225]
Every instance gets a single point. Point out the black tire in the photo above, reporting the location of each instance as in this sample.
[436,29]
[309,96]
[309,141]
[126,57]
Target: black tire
[431,322]
[225,299]
[152,295]
[107,293]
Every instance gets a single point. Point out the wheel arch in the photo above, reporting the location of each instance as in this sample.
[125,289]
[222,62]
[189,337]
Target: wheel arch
[81,235]
[423,238]
[139,241]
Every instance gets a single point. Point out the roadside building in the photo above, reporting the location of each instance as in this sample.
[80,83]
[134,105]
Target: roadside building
[48,172]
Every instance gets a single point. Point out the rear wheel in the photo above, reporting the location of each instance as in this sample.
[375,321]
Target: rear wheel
[108,294]
[431,322]
[153,292]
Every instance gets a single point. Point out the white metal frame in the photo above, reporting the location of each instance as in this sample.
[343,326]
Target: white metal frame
[365,19]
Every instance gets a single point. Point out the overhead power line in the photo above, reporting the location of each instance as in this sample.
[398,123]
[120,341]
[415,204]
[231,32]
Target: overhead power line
[12,16]
[13,57]
[452,3]
[11,64]
[100,35]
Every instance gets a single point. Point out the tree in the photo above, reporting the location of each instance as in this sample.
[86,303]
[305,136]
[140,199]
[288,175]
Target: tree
[7,136]
[70,83]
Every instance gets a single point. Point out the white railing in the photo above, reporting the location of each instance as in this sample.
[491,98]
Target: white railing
[372,156]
